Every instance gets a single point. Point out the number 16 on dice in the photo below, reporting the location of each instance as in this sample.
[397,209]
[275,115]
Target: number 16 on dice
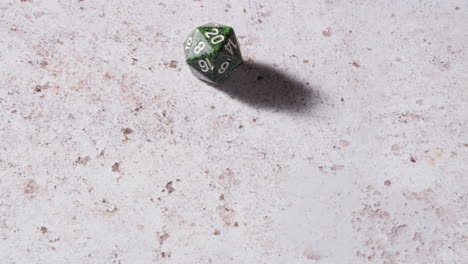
[205,65]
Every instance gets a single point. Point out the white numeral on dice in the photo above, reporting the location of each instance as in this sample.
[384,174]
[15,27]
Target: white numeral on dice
[229,47]
[199,47]
[205,65]
[188,43]
[217,38]
[214,32]
[223,67]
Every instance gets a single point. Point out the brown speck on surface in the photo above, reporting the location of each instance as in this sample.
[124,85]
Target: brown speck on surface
[344,143]
[38,89]
[43,64]
[163,237]
[355,64]
[116,167]
[111,212]
[311,254]
[396,231]
[337,167]
[418,237]
[221,197]
[227,179]
[342,99]
[140,227]
[43,230]
[138,108]
[165,255]
[46,86]
[169,187]
[424,195]
[441,212]
[82,161]
[245,11]
[404,118]
[31,187]
[387,183]
[173,64]
[80,85]
[226,214]
[127,131]
[321,168]
[39,14]
[413,159]
[212,107]
[107,76]
[265,14]
[305,61]
[420,101]
[326,33]
[216,232]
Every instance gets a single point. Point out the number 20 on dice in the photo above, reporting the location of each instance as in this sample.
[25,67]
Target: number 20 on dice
[214,38]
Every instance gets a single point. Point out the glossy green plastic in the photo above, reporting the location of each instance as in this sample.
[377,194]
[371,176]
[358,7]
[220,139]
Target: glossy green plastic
[212,52]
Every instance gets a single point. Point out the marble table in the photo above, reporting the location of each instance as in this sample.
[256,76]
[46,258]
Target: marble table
[342,139]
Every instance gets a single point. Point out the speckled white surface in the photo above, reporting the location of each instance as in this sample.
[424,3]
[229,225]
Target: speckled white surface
[343,140]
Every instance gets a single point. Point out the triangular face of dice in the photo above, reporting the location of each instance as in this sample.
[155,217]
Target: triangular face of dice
[209,65]
[200,75]
[227,67]
[216,36]
[231,46]
[196,45]
[204,64]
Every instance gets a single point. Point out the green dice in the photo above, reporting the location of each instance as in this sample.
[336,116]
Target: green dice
[212,52]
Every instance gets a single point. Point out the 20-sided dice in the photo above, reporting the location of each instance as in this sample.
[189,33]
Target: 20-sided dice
[212,52]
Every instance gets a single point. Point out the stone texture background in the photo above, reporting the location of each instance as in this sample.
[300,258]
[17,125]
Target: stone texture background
[343,140]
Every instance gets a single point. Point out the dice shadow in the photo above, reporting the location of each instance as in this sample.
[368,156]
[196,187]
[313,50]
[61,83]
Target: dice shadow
[264,86]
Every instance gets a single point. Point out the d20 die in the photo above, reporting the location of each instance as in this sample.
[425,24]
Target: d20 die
[212,52]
